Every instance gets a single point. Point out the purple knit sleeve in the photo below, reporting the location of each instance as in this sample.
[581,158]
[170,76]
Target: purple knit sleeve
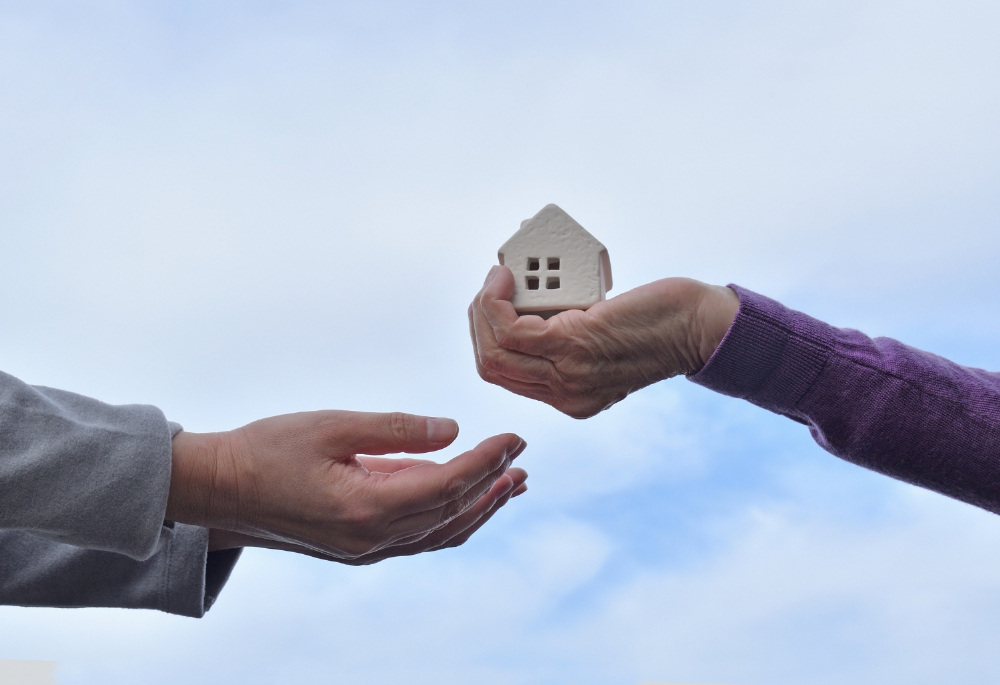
[875,402]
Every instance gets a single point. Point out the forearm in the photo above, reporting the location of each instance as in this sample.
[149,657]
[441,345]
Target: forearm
[875,402]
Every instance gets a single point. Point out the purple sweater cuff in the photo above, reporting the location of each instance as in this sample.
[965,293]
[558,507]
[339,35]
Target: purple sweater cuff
[875,402]
[770,356]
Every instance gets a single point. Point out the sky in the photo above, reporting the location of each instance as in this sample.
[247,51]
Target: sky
[237,209]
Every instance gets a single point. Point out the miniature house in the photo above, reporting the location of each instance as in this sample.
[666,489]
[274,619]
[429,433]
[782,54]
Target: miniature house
[557,264]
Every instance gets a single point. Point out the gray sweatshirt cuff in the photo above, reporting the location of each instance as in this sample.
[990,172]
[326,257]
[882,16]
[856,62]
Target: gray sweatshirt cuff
[182,577]
[193,577]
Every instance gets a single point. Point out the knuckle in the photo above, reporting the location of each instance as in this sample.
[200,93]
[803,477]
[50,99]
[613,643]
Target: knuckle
[496,379]
[330,427]
[483,373]
[451,511]
[488,361]
[508,338]
[492,361]
[453,490]
[400,426]
[503,336]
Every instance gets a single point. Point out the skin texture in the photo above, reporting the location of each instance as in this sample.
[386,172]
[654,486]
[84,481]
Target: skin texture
[316,483]
[582,362]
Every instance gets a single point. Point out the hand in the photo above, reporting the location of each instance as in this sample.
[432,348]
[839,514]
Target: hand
[582,362]
[297,482]
[508,486]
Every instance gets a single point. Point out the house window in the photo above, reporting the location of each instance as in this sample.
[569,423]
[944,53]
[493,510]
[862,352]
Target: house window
[533,263]
[552,283]
[531,282]
[553,264]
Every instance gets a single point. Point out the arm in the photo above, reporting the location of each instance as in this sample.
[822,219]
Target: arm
[877,403]
[83,490]
[99,507]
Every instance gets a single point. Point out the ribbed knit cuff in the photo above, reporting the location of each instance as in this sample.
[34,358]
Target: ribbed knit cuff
[770,356]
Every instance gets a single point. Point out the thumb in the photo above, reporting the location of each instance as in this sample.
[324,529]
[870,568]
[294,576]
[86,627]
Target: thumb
[374,433]
[499,284]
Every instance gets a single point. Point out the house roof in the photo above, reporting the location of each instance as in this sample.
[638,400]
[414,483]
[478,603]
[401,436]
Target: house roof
[554,227]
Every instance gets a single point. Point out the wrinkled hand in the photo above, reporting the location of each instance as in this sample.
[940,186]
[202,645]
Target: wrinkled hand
[297,482]
[582,362]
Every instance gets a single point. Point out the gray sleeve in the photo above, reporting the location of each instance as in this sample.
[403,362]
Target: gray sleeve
[181,577]
[78,471]
[83,493]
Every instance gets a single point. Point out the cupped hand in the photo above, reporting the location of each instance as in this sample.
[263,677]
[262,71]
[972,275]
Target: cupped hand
[302,482]
[456,533]
[582,362]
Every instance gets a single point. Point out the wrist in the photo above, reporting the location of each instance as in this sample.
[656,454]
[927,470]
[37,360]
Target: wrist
[194,479]
[716,309]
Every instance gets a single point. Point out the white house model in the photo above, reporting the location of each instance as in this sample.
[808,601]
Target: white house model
[557,264]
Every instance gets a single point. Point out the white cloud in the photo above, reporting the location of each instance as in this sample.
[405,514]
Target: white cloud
[796,598]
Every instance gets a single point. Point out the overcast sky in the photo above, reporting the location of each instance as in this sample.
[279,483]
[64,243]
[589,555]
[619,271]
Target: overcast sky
[232,210]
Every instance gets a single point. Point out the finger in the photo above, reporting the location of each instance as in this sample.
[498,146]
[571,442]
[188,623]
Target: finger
[462,536]
[518,475]
[425,522]
[421,523]
[528,334]
[496,359]
[429,486]
[388,465]
[492,307]
[526,381]
[532,390]
[464,525]
[373,433]
[501,491]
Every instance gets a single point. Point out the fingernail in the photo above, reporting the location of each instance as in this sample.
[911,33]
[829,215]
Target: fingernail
[441,430]
[516,452]
[491,274]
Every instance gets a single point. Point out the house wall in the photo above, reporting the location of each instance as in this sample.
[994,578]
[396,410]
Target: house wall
[553,234]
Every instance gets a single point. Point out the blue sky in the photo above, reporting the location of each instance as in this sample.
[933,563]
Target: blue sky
[232,210]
